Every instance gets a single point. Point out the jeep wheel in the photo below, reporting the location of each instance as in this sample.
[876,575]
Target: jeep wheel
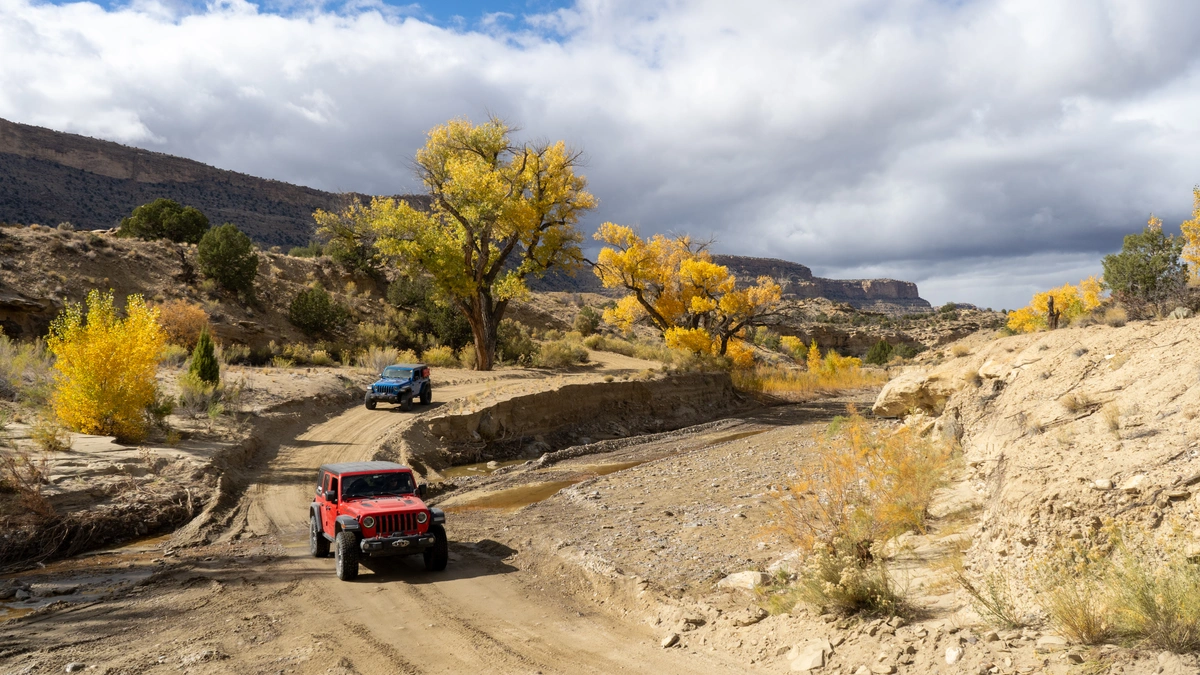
[426,394]
[437,555]
[406,403]
[370,404]
[346,555]
[318,545]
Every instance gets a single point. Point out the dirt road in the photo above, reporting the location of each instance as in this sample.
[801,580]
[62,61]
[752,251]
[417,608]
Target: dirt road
[255,602]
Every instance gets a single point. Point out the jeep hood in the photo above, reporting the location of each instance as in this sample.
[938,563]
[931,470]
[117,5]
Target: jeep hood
[383,505]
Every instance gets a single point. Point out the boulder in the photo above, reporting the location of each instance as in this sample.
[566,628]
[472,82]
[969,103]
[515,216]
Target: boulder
[914,392]
[809,656]
[1136,483]
[746,581]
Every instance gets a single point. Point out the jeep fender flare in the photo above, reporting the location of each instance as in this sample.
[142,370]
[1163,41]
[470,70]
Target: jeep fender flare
[437,516]
[346,523]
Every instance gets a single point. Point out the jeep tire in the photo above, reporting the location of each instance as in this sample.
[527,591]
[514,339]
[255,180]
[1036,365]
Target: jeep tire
[426,394]
[369,403]
[318,545]
[406,403]
[437,555]
[346,555]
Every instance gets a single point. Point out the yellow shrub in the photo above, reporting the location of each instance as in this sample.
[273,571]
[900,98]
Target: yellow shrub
[106,367]
[182,321]
[814,357]
[794,346]
[442,357]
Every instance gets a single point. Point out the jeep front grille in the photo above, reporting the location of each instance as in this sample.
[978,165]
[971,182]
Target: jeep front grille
[396,522]
[389,389]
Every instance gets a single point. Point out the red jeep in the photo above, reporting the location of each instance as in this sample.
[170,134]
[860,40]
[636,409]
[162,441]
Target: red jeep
[373,509]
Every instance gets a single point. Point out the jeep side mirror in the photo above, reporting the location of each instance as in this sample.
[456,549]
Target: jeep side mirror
[422,490]
[330,496]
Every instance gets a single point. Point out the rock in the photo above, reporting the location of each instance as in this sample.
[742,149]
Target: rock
[1180,313]
[75,667]
[883,668]
[991,636]
[1102,484]
[749,617]
[7,593]
[1177,494]
[808,657]
[953,654]
[493,464]
[915,392]
[746,581]
[1074,657]
[1049,643]
[1136,483]
[22,594]
[670,641]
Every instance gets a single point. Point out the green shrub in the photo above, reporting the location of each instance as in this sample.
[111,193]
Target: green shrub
[587,321]
[314,311]
[195,395]
[313,250]
[1148,276]
[442,357]
[906,351]
[204,360]
[514,343]
[165,219]
[560,354]
[227,255]
[880,354]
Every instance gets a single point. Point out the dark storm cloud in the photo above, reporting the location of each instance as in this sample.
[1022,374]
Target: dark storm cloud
[981,149]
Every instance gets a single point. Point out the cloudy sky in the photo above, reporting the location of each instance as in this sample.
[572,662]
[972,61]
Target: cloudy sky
[984,149]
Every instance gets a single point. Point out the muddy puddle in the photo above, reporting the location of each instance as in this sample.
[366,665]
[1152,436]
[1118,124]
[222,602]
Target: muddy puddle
[83,578]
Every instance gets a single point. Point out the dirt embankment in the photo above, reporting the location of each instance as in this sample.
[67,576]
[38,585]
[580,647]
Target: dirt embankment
[529,424]
[1065,431]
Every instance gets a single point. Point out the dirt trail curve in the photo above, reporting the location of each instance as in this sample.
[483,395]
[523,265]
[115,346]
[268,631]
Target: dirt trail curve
[470,620]
[255,602]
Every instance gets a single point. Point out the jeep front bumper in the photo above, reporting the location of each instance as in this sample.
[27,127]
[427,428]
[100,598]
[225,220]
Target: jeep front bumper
[377,547]
[382,397]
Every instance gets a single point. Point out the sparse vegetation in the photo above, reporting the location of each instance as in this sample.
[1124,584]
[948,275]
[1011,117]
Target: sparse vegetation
[25,371]
[560,354]
[1069,303]
[587,321]
[514,343]
[862,488]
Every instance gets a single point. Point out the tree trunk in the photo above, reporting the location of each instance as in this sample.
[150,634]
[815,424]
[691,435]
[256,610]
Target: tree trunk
[484,316]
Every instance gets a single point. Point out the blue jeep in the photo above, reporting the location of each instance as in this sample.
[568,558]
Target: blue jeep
[400,384]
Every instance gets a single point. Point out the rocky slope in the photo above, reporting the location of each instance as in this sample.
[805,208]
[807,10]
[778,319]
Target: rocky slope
[885,295]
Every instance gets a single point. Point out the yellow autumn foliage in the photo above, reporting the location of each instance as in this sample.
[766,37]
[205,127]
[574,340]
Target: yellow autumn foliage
[794,346]
[674,283]
[105,365]
[1072,301]
[814,358]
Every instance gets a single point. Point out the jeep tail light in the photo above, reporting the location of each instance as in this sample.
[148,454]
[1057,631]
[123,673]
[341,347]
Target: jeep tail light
[424,372]
[422,517]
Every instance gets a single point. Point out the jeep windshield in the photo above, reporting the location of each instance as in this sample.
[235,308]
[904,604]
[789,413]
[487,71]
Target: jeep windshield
[378,485]
[397,373]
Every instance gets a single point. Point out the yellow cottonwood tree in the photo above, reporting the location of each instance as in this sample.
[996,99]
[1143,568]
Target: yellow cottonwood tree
[1191,236]
[1072,301]
[106,365]
[673,283]
[501,212]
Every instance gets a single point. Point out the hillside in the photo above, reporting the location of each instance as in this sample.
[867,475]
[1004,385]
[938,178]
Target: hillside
[49,177]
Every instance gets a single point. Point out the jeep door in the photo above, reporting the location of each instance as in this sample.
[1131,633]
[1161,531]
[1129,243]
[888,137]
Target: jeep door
[328,509]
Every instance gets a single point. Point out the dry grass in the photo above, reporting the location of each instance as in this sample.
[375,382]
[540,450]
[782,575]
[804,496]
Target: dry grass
[863,488]
[1076,402]
[990,595]
[1115,317]
[1110,414]
[785,382]
[959,351]
[24,476]
[49,435]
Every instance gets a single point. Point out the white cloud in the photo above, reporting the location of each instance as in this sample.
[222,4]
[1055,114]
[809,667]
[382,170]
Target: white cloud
[971,147]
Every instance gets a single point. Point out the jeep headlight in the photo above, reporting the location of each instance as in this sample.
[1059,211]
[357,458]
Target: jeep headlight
[422,517]
[368,522]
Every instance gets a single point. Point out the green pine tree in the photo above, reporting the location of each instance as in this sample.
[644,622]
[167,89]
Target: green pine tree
[204,360]
[880,354]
